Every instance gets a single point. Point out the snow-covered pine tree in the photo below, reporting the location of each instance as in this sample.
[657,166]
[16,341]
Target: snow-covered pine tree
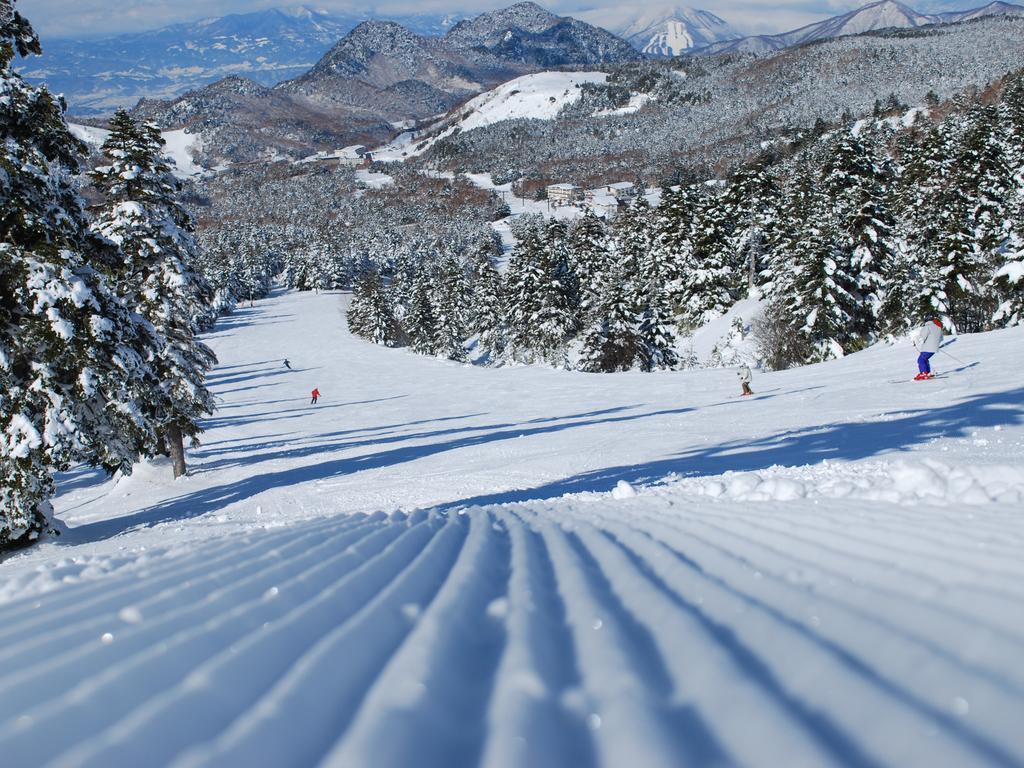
[751,201]
[522,289]
[1009,283]
[812,291]
[67,345]
[670,256]
[612,343]
[142,215]
[953,189]
[712,278]
[487,301]
[450,298]
[1009,277]
[589,259]
[420,322]
[856,182]
[656,337]
[556,317]
[984,165]
[370,315]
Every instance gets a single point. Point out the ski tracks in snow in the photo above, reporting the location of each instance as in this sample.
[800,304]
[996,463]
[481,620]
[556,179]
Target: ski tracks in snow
[592,631]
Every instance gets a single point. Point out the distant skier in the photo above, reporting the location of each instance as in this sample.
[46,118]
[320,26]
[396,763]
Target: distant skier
[929,339]
[745,378]
[287,364]
[316,394]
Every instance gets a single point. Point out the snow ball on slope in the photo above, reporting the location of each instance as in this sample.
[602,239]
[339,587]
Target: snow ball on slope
[130,615]
[623,490]
[498,609]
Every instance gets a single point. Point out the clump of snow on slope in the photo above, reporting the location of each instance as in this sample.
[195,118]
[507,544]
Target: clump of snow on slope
[927,481]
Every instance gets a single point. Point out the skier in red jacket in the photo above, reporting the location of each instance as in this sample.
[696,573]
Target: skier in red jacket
[316,394]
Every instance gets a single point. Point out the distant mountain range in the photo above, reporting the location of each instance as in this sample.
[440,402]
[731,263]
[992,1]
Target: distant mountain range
[99,75]
[273,46]
[381,74]
[884,14]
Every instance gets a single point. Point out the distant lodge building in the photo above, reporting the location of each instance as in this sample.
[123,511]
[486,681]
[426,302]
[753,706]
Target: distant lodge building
[602,201]
[355,156]
[564,194]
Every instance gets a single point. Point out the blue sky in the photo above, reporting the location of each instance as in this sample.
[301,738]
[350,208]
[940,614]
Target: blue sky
[81,18]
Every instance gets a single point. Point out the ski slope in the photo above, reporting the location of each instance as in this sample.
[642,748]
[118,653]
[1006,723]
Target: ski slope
[441,565]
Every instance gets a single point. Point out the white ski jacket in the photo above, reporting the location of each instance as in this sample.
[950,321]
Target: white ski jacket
[744,374]
[930,338]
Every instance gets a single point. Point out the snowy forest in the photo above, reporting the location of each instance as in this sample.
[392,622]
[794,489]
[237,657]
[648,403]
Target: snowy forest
[100,309]
[861,234]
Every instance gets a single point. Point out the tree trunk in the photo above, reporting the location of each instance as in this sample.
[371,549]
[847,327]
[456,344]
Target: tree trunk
[177,450]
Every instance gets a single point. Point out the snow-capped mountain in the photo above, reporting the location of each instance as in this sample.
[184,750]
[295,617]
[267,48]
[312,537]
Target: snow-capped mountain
[529,35]
[383,73]
[664,30]
[996,8]
[475,54]
[98,75]
[883,14]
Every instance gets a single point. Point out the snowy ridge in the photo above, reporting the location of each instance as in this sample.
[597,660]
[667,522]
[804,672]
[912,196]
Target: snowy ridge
[448,565]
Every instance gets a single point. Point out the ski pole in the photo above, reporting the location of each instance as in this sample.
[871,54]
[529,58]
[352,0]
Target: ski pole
[953,356]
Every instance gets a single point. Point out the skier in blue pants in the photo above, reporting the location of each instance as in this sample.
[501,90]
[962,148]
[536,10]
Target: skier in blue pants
[929,338]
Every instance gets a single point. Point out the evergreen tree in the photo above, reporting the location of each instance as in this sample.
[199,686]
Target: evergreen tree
[68,362]
[450,299]
[589,259]
[613,341]
[487,302]
[556,317]
[370,314]
[1009,282]
[751,202]
[656,336]
[420,323]
[522,287]
[812,292]
[711,279]
[670,258]
[155,234]
[855,185]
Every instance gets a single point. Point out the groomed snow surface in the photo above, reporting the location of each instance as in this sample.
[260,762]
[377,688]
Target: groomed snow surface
[441,565]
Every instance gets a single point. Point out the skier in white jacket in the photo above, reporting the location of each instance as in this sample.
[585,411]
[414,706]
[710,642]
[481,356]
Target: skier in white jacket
[929,338]
[745,377]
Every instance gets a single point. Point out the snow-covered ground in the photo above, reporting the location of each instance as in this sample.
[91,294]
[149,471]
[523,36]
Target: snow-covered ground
[442,565]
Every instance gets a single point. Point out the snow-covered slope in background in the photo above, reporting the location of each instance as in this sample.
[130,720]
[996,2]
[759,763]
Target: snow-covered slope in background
[539,96]
[457,566]
[180,146]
